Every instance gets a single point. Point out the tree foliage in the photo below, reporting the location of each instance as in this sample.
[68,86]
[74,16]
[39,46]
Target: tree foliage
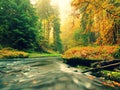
[69,27]
[57,43]
[18,24]
[49,16]
[45,11]
[101,17]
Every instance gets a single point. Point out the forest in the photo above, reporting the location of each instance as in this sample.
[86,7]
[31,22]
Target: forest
[29,28]
[77,30]
[94,22]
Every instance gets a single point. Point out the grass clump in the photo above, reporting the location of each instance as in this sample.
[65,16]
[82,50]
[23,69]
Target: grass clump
[37,54]
[112,75]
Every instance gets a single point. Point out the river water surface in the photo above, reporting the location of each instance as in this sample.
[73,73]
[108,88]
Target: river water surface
[47,73]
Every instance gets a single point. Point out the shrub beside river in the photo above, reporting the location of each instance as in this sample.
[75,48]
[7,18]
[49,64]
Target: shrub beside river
[93,53]
[11,53]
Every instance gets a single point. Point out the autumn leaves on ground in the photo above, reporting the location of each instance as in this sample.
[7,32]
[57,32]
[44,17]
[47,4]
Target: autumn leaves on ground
[87,30]
[93,53]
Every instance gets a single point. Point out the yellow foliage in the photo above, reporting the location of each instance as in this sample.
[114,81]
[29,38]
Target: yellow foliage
[9,53]
[67,29]
[103,15]
[93,53]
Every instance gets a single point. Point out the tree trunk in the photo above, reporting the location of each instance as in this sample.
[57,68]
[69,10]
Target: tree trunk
[109,64]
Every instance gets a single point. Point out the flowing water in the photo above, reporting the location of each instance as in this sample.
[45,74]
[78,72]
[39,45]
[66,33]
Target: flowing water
[47,73]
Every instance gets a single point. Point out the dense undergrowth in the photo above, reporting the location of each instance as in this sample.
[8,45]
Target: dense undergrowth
[93,53]
[11,53]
